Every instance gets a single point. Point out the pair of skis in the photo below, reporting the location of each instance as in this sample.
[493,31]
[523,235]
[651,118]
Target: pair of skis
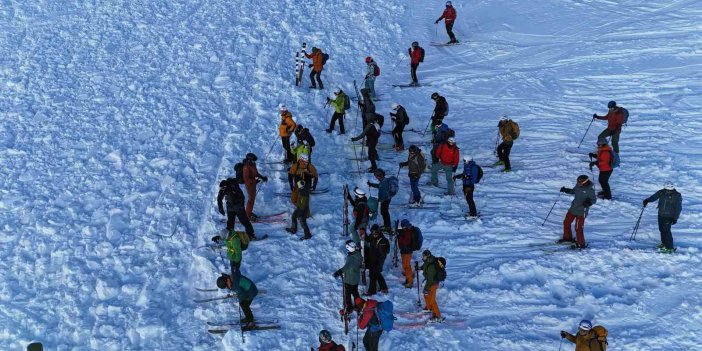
[300,64]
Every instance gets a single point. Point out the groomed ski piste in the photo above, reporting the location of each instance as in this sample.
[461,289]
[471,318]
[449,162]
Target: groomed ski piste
[120,118]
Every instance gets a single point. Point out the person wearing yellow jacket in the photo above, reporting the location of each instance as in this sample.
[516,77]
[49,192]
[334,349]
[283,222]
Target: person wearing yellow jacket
[588,338]
[286,129]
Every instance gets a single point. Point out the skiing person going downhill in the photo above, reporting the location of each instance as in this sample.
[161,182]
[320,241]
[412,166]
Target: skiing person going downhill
[447,155]
[449,17]
[327,344]
[416,165]
[431,285]
[669,208]
[387,188]
[407,247]
[416,54]
[360,214]
[339,104]
[377,249]
[230,191]
[588,338]
[352,274]
[470,178]
[286,129]
[368,320]
[302,211]
[584,198]
[372,134]
[317,66]
[371,70]
[245,290]
[251,178]
[400,118]
[603,160]
[615,120]
[509,130]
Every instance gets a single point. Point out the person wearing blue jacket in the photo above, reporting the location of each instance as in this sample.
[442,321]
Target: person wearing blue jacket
[470,178]
[384,196]
[245,290]
[669,208]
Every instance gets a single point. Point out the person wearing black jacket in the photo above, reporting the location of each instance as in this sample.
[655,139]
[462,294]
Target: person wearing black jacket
[372,134]
[230,191]
[400,118]
[302,133]
[377,249]
[367,107]
[669,208]
[441,108]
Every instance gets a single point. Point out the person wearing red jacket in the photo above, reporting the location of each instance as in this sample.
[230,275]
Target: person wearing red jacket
[603,160]
[327,344]
[369,321]
[404,242]
[251,178]
[416,54]
[447,155]
[615,119]
[449,17]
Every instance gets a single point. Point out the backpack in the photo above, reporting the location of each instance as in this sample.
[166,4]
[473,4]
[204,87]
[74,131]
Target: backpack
[451,133]
[376,70]
[393,187]
[380,119]
[440,269]
[417,239]
[601,338]
[243,238]
[239,171]
[385,315]
[325,57]
[406,119]
[613,159]
[347,102]
[372,208]
[421,56]
[480,174]
[515,129]
[625,115]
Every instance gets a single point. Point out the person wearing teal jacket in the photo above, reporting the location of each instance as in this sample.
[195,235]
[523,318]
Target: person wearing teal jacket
[351,274]
[245,290]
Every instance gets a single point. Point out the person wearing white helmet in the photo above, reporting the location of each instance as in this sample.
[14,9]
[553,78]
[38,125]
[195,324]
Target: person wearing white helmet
[508,131]
[372,71]
[447,155]
[588,338]
[471,175]
[341,103]
[351,275]
[361,213]
[669,208]
[400,120]
[285,130]
[449,17]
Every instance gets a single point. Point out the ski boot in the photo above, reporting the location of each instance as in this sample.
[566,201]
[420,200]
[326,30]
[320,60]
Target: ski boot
[564,241]
[436,319]
[291,230]
[248,326]
[306,237]
[499,163]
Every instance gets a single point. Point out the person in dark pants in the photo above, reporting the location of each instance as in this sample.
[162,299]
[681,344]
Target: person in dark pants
[302,211]
[285,130]
[441,109]
[317,66]
[352,274]
[416,54]
[603,160]
[470,178]
[377,249]
[372,134]
[509,131]
[367,107]
[245,290]
[449,17]
[339,111]
[230,191]
[615,120]
[399,117]
[669,208]
[416,164]
[384,196]
[368,320]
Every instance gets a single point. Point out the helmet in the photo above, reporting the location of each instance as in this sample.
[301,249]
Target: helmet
[222,281]
[503,118]
[358,192]
[582,178]
[325,337]
[405,223]
[585,325]
[314,49]
[299,127]
[612,104]
[448,3]
[394,106]
[426,253]
[379,172]
[451,140]
[435,95]
[415,44]
[251,157]
[413,149]
[350,245]
[369,59]
[467,158]
[669,186]
[300,184]
[303,157]
[282,108]
[337,91]
[601,141]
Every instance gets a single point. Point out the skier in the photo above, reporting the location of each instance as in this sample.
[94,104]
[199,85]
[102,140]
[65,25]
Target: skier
[588,338]
[302,211]
[509,130]
[245,290]
[615,119]
[440,134]
[302,148]
[406,245]
[584,198]
[400,118]
[441,108]
[449,17]
[385,194]
[603,160]
[286,129]
[447,155]
[470,178]
[372,133]
[429,271]
[416,165]
[377,249]
[369,321]
[317,65]
[352,273]
[303,134]
[302,170]
[251,178]
[416,54]
[339,111]
[230,191]
[360,214]
[367,107]
[669,209]
[371,70]
[234,249]
[327,344]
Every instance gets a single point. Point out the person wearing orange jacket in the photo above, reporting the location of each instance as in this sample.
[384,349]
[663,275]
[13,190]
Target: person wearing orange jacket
[615,119]
[416,54]
[251,178]
[449,17]
[286,129]
[317,65]
[447,155]
[603,160]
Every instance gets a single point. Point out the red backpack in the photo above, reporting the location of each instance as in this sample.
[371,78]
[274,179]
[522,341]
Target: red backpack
[376,70]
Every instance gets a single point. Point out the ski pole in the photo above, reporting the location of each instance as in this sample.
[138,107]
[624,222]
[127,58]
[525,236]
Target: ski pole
[398,171]
[271,148]
[427,127]
[560,344]
[549,212]
[243,341]
[402,58]
[416,269]
[497,141]
[586,130]
[636,227]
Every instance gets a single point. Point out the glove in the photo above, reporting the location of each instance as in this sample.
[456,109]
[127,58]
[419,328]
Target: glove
[564,189]
[436,22]
[674,221]
[368,182]
[594,115]
[265,179]
[314,186]
[591,164]
[587,203]
[355,139]
[425,291]
[328,99]
[563,333]
[221,212]
[216,238]
[337,274]
[645,202]
[592,154]
[401,165]
[455,168]
[258,181]
[310,65]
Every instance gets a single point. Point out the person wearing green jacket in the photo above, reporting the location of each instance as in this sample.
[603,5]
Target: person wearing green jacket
[339,104]
[431,285]
[351,275]
[234,248]
[669,208]
[302,211]
[245,290]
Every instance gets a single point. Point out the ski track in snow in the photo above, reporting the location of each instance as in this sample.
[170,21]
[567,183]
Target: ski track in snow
[119,120]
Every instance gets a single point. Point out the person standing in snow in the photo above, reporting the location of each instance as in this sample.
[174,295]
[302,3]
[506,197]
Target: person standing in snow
[302,170]
[339,110]
[367,107]
[231,193]
[441,108]
[588,338]
[286,129]
[251,178]
[360,214]
[603,160]
[416,165]
[371,70]
[585,197]
[509,131]
[449,17]
[352,274]
[429,270]
[385,194]
[669,208]
[447,155]
[302,211]
[416,54]
[368,320]
[400,119]
[470,178]
[615,120]
[377,249]
[406,244]
[372,134]
[234,248]
[440,134]
[303,136]
[317,65]
[327,344]
[245,290]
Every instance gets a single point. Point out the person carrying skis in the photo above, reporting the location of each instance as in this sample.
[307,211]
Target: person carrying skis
[371,70]
[400,119]
[304,136]
[470,178]
[251,178]
[603,160]
[230,191]
[352,274]
[416,165]
[377,249]
[588,338]
[406,245]
[441,108]
[416,54]
[302,211]
[360,214]
[615,120]
[509,130]
[327,344]
[368,320]
[372,133]
[431,285]
[317,65]
[447,155]
[669,209]
[302,170]
[384,195]
[449,17]
[286,129]
[585,197]
[245,290]
[339,104]
[367,107]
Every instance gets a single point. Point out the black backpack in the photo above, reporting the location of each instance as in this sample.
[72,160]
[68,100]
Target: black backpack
[451,133]
[440,269]
[239,172]
[325,57]
[480,174]
[625,115]
[421,51]
[380,119]
[347,102]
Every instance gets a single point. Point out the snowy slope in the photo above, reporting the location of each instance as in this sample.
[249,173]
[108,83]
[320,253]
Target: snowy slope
[120,118]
